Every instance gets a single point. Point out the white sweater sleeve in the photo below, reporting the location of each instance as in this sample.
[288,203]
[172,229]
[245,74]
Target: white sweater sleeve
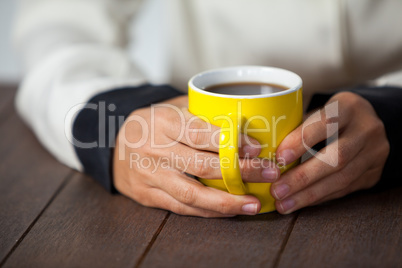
[71,50]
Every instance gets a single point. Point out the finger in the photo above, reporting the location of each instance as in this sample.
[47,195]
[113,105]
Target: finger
[365,181]
[319,126]
[337,182]
[259,170]
[153,197]
[165,201]
[336,195]
[329,160]
[194,194]
[198,133]
[206,165]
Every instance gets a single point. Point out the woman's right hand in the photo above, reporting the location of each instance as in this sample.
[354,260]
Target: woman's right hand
[157,146]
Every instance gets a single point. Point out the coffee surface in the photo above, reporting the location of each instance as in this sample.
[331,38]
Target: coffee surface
[245,88]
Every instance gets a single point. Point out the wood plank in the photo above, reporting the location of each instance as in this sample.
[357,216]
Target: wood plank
[243,241]
[7,93]
[363,230]
[29,178]
[87,227]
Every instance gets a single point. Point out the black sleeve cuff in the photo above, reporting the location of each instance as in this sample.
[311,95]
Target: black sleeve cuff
[97,124]
[387,102]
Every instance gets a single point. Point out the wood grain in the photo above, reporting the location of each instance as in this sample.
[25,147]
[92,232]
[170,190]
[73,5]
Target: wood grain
[363,230]
[237,242]
[49,218]
[29,177]
[87,227]
[7,93]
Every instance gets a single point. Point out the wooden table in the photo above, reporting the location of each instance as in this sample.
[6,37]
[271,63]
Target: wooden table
[52,216]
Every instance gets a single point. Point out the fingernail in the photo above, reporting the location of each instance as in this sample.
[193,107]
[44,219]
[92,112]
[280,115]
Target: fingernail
[281,191]
[251,151]
[286,157]
[270,174]
[250,208]
[287,205]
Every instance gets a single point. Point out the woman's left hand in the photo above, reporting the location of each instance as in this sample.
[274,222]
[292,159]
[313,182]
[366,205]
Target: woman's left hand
[352,162]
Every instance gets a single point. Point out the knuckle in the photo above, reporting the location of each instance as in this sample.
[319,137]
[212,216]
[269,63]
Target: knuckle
[187,195]
[161,116]
[201,168]
[377,128]
[311,197]
[350,101]
[342,153]
[140,196]
[147,202]
[176,121]
[379,125]
[197,123]
[351,98]
[177,208]
[301,178]
[246,172]
[343,180]
[386,147]
[195,136]
[293,137]
[167,117]
[225,206]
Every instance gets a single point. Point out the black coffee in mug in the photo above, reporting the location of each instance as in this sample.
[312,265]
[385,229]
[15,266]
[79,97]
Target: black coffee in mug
[245,88]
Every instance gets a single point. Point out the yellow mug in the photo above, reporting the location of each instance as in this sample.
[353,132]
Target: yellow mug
[267,117]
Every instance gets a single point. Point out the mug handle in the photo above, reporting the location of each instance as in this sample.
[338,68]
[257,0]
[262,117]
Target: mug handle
[229,155]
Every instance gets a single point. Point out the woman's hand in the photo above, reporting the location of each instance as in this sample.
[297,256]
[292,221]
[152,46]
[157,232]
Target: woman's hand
[352,162]
[158,145]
